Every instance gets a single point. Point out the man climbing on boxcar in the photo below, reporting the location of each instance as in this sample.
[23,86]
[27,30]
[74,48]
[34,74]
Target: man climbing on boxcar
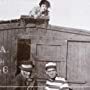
[54,82]
[41,10]
[26,80]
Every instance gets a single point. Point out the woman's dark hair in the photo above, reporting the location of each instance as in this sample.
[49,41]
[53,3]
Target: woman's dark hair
[47,3]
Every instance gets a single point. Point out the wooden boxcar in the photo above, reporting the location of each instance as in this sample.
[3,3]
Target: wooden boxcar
[37,40]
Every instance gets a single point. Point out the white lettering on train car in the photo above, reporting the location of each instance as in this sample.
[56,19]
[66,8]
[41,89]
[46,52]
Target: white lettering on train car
[2,49]
[5,69]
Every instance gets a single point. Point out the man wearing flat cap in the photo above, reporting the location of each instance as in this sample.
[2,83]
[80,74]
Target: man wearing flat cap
[54,82]
[26,80]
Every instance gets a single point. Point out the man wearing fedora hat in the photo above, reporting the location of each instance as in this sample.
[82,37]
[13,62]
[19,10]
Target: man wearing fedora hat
[54,82]
[25,80]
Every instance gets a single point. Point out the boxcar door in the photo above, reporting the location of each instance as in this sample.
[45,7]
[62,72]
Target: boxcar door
[78,64]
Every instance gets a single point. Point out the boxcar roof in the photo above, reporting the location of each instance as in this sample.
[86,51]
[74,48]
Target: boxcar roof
[68,29]
[50,27]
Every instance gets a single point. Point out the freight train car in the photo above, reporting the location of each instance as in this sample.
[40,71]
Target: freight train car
[28,38]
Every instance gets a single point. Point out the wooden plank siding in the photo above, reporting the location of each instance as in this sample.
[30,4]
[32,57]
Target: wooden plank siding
[6,40]
[78,63]
[68,47]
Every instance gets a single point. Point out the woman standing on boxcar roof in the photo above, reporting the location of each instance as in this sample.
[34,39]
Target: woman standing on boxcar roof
[41,10]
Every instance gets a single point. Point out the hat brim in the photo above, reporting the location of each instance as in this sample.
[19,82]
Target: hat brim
[51,69]
[25,69]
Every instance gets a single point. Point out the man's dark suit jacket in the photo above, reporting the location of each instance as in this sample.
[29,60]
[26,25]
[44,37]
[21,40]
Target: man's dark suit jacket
[21,83]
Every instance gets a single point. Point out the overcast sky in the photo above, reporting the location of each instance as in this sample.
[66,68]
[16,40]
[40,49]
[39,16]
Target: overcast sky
[67,13]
